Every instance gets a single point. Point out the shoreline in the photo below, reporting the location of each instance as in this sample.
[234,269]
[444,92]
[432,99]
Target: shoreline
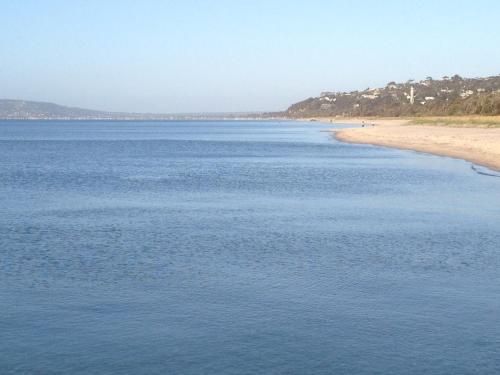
[478,145]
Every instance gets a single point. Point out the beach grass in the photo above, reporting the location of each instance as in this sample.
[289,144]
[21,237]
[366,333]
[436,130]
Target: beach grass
[458,121]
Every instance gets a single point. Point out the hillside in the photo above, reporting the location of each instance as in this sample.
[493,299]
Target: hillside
[448,96]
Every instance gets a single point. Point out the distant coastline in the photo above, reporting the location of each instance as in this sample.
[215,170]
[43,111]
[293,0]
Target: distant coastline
[449,96]
[32,110]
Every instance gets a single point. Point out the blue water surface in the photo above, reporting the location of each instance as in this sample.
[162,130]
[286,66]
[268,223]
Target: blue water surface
[241,248]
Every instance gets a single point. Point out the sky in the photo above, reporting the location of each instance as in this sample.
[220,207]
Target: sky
[180,56]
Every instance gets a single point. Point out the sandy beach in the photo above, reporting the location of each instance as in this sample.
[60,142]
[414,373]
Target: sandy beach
[480,145]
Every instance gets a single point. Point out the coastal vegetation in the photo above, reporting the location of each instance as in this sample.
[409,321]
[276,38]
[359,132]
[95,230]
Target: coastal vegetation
[458,121]
[449,96]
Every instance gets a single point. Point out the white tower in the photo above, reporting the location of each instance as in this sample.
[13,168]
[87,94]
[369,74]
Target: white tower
[412,95]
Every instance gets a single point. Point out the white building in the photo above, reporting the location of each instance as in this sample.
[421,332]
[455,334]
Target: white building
[466,94]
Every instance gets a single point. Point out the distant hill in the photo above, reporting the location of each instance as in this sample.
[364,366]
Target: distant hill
[30,110]
[447,96]
[21,109]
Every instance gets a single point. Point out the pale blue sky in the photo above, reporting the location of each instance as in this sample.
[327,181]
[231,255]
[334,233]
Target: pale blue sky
[230,55]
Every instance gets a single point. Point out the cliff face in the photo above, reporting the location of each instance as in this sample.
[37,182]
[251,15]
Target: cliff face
[448,96]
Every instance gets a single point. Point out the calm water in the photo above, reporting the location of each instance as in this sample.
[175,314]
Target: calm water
[241,248]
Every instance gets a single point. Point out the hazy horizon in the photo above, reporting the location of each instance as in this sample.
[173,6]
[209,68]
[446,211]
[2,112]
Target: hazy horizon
[192,57]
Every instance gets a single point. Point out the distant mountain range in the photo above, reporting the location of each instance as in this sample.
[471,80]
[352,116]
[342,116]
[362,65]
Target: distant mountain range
[31,110]
[447,96]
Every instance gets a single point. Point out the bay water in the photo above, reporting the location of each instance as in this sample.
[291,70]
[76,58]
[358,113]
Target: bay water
[219,247]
